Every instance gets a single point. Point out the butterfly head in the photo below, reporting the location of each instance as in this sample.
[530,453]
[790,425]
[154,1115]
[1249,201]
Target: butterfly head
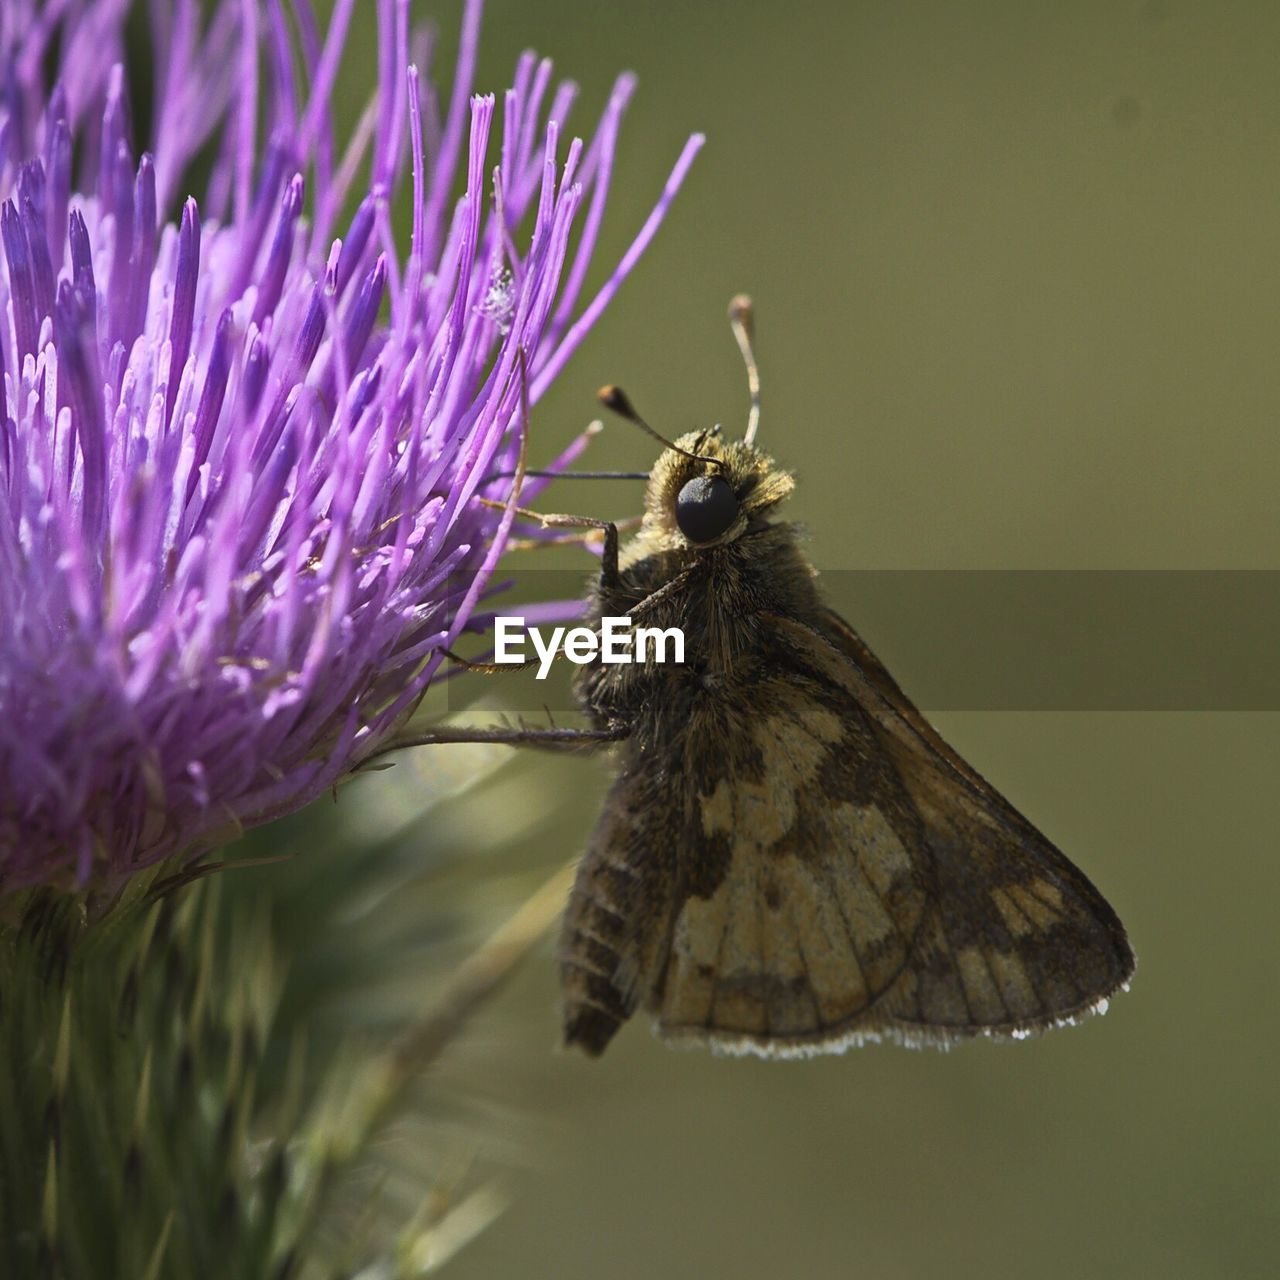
[706,492]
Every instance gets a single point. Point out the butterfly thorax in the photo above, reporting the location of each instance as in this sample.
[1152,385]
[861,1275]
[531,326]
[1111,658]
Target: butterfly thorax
[715,594]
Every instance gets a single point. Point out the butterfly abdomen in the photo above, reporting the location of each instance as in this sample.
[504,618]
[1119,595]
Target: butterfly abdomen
[616,919]
[598,995]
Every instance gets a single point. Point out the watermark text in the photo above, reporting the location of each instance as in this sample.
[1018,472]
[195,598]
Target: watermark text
[617,641]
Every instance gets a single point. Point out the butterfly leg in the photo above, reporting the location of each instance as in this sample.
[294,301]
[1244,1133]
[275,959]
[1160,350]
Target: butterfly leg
[554,520]
[609,554]
[512,736]
[490,668]
[569,540]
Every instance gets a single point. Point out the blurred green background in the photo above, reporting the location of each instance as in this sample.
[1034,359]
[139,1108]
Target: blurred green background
[1016,269]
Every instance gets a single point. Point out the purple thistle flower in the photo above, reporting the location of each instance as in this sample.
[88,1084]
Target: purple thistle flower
[240,457]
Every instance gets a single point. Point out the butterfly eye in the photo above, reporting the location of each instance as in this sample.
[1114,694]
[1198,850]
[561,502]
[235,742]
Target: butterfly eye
[705,508]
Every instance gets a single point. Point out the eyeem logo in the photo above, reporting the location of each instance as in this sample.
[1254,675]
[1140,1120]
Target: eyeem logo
[617,641]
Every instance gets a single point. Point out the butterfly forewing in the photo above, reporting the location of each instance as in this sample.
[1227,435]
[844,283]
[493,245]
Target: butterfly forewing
[905,897]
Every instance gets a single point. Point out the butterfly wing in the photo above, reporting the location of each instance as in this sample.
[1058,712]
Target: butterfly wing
[869,883]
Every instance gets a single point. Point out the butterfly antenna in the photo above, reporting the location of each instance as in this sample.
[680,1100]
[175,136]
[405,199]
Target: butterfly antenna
[617,401]
[741,320]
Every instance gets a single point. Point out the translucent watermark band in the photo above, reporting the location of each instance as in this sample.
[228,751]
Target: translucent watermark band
[1013,640]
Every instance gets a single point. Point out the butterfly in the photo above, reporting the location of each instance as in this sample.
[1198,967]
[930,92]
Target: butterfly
[791,860]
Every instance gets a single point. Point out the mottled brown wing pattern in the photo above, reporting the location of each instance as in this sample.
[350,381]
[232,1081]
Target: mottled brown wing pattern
[993,931]
[818,899]
[869,884]
[812,867]
[1053,948]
